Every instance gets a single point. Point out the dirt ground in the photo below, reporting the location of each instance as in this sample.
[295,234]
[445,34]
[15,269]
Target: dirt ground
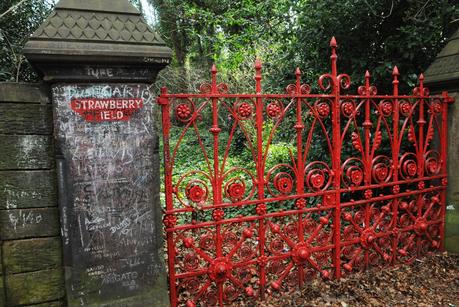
[431,281]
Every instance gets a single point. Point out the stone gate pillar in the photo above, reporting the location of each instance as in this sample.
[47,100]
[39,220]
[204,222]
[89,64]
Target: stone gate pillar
[100,58]
[443,74]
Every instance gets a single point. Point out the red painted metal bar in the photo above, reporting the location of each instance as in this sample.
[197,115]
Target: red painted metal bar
[261,208]
[336,157]
[164,102]
[374,197]
[395,153]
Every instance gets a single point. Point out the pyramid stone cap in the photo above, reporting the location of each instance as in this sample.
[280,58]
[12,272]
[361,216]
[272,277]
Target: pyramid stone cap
[101,33]
[122,7]
[443,73]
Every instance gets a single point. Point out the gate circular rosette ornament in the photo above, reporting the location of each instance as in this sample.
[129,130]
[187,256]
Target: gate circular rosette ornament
[305,89]
[276,267]
[230,293]
[283,182]
[368,193]
[317,176]
[381,170]
[244,109]
[291,229]
[309,225]
[405,107]
[218,215]
[184,110]
[300,203]
[435,106]
[386,107]
[348,108]
[230,238]
[359,216]
[352,172]
[207,242]
[292,279]
[444,181]
[195,190]
[280,180]
[323,238]
[236,187]
[220,269]
[245,252]
[408,166]
[274,109]
[191,285]
[170,220]
[322,108]
[421,185]
[276,246]
[432,162]
[261,209]
[404,220]
[191,261]
[349,232]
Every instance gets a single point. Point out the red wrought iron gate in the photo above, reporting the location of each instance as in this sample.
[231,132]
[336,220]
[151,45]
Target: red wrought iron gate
[363,184]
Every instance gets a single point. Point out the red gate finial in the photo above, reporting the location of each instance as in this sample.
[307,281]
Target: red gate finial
[334,57]
[213,70]
[258,75]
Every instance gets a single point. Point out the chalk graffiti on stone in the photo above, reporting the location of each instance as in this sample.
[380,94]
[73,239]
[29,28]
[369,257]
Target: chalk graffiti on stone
[106,109]
[111,187]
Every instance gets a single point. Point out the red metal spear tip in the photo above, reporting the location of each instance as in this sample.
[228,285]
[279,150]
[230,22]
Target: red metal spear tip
[367,74]
[395,71]
[298,71]
[421,77]
[333,43]
[214,69]
[257,64]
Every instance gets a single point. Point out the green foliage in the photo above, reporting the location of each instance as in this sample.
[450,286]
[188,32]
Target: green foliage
[372,34]
[15,28]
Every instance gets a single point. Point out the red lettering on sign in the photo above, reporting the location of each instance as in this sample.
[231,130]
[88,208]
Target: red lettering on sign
[106,109]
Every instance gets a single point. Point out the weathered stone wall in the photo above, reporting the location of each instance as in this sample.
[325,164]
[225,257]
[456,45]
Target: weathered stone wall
[31,254]
[452,199]
[112,229]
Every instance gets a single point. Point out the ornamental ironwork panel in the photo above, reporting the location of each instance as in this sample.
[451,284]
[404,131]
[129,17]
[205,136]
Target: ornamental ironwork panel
[265,192]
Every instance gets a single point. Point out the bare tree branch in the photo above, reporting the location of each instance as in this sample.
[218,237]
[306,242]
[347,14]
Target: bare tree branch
[12,8]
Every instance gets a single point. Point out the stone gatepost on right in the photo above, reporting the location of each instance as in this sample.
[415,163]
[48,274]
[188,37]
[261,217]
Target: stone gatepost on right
[443,74]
